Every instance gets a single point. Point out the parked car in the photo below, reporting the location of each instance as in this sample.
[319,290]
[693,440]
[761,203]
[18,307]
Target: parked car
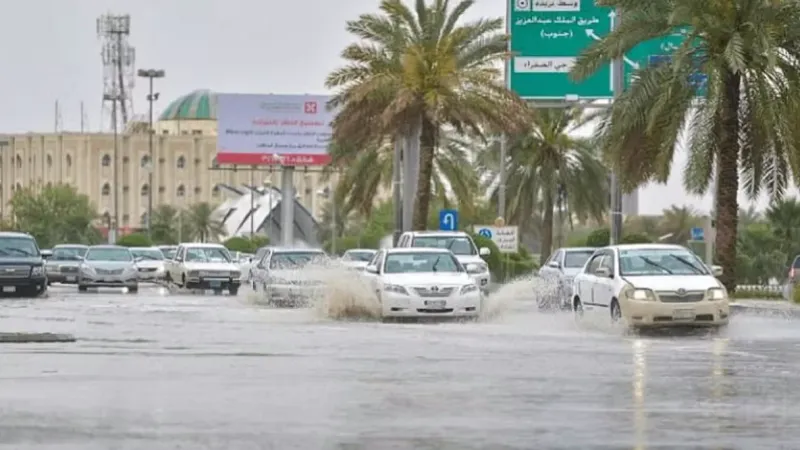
[150,263]
[458,242]
[21,265]
[558,271]
[64,263]
[168,250]
[108,266]
[651,285]
[249,268]
[204,266]
[281,276]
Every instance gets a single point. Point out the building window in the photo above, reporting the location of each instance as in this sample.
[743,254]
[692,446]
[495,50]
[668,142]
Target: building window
[125,189]
[49,184]
[49,160]
[68,160]
[106,218]
[214,162]
[19,187]
[215,191]
[196,132]
[181,191]
[145,161]
[145,190]
[162,189]
[197,190]
[19,162]
[181,162]
[106,160]
[125,160]
[106,190]
[126,218]
[143,220]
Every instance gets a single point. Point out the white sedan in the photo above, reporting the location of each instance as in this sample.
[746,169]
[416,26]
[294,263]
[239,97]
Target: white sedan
[422,282]
[650,285]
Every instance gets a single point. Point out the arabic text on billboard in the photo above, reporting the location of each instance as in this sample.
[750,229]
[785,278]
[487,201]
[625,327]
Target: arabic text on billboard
[288,130]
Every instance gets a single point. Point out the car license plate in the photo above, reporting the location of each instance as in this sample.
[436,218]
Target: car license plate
[216,283]
[9,289]
[683,314]
[436,304]
[71,279]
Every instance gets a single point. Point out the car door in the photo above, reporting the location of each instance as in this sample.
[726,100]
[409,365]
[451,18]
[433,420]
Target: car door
[261,271]
[375,265]
[175,266]
[603,287]
[551,267]
[585,282]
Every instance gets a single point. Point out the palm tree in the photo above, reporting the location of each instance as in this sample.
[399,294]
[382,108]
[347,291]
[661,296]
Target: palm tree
[646,225]
[678,222]
[748,51]
[748,217]
[548,163]
[416,71]
[368,171]
[202,223]
[163,225]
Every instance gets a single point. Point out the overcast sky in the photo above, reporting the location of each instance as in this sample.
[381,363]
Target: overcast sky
[51,53]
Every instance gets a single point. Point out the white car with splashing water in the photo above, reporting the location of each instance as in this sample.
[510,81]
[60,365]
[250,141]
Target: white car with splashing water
[422,282]
[651,285]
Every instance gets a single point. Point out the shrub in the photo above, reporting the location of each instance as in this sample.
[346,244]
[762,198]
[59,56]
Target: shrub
[602,236]
[135,240]
[245,245]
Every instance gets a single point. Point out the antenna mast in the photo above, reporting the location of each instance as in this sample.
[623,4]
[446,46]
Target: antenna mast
[119,59]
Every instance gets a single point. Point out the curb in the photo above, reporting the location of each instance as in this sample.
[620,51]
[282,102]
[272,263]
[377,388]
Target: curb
[35,338]
[785,311]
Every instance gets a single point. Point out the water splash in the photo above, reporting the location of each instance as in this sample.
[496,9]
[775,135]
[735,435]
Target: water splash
[518,296]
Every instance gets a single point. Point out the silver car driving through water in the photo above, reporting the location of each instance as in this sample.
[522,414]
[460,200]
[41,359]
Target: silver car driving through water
[150,263]
[108,266]
[62,266]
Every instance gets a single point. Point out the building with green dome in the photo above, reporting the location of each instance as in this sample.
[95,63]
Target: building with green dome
[192,114]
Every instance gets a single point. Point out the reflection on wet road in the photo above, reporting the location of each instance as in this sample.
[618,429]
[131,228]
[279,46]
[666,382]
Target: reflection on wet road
[156,371]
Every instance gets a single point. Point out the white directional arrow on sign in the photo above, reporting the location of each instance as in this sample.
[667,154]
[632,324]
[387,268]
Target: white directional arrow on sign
[590,32]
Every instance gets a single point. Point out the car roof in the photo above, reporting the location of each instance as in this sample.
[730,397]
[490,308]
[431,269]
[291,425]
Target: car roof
[70,246]
[647,246]
[15,234]
[579,249]
[100,246]
[372,250]
[167,246]
[202,244]
[145,248]
[296,250]
[417,250]
[439,233]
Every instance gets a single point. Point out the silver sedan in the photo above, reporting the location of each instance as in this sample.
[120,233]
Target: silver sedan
[108,266]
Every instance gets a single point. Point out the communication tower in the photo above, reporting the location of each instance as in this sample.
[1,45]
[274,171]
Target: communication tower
[119,59]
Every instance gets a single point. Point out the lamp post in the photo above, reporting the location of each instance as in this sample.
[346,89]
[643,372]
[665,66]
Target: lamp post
[329,194]
[150,74]
[114,99]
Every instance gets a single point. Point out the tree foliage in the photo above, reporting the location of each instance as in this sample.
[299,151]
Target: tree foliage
[246,244]
[135,240]
[55,214]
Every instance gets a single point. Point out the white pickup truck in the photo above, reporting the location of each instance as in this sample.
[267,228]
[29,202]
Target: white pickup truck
[204,266]
[458,242]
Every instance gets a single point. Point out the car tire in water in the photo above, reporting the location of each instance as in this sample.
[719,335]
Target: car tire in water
[82,288]
[615,311]
[133,289]
[234,290]
[577,309]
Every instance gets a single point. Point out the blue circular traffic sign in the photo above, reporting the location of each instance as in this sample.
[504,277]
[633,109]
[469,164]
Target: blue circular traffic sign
[485,232]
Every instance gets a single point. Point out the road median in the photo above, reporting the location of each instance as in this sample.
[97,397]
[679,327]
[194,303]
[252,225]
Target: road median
[35,338]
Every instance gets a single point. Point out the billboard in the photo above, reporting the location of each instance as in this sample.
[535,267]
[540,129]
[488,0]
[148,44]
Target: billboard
[286,130]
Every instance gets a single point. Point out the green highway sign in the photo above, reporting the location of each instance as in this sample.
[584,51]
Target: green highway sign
[548,35]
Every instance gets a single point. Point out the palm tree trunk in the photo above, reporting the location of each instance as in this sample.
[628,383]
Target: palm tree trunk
[427,146]
[547,228]
[728,182]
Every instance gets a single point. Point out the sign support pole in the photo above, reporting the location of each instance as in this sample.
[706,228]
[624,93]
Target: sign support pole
[618,81]
[397,192]
[287,206]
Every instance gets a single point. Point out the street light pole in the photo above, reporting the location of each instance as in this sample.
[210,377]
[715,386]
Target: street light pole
[112,232]
[150,74]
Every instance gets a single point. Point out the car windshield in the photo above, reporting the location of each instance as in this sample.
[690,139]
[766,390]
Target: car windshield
[68,253]
[460,245]
[426,262]
[577,258]
[648,262]
[18,246]
[361,256]
[148,254]
[109,254]
[294,260]
[207,254]
[169,252]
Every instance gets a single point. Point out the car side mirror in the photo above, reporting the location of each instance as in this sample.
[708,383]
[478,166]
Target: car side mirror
[602,272]
[485,251]
[371,269]
[554,264]
[46,253]
[716,271]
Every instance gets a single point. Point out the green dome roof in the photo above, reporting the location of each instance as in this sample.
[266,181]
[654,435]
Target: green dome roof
[197,105]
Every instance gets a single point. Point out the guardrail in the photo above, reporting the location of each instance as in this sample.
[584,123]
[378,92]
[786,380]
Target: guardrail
[776,288]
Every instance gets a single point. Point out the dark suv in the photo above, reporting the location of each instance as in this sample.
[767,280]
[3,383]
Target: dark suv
[21,265]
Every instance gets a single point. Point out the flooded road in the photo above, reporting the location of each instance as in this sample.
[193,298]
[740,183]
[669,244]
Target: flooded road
[158,371]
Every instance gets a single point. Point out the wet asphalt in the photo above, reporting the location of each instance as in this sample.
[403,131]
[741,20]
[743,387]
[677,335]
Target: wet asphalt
[158,371]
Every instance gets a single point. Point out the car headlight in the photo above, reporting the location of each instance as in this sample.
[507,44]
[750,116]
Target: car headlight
[395,288]
[641,295]
[715,294]
[468,288]
[37,270]
[193,274]
[476,268]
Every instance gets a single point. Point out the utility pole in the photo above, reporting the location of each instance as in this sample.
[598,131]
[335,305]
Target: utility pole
[112,235]
[150,74]
[615,236]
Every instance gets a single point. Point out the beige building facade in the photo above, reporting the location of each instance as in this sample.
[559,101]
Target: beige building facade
[184,149]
